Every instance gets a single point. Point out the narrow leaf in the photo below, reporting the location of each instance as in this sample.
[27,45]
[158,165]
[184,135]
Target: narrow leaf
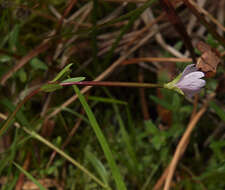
[29,176]
[50,87]
[75,79]
[102,140]
[62,73]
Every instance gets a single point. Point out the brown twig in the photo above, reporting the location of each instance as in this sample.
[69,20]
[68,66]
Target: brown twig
[208,15]
[66,12]
[201,18]
[156,59]
[179,26]
[183,142]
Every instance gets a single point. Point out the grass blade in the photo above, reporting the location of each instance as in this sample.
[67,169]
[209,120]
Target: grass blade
[102,140]
[66,156]
[29,176]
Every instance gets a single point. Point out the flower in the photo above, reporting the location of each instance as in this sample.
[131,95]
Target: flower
[189,82]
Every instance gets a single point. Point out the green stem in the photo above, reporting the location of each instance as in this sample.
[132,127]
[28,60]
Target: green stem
[113,84]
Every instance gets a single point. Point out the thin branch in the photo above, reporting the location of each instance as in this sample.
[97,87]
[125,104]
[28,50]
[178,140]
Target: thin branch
[183,142]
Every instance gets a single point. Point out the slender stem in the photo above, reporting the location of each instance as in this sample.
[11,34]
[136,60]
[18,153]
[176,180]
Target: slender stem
[116,84]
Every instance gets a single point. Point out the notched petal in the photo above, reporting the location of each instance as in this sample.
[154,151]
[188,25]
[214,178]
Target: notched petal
[194,75]
[189,69]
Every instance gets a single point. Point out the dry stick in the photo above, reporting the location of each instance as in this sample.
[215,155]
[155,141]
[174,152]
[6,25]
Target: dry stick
[202,19]
[156,59]
[193,20]
[161,179]
[72,40]
[221,15]
[178,26]
[105,74]
[207,14]
[66,12]
[147,27]
[164,175]
[183,142]
[135,35]
[159,38]
[79,11]
[61,46]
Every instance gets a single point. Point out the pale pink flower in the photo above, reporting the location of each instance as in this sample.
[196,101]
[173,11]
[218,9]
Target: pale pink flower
[191,82]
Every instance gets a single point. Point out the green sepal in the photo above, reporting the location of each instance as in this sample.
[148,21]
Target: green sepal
[172,85]
[75,79]
[50,87]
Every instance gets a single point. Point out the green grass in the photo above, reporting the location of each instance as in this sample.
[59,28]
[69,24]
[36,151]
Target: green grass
[113,147]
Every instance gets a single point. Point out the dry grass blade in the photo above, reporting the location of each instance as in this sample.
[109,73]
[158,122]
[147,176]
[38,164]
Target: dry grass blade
[209,26]
[156,59]
[179,26]
[207,14]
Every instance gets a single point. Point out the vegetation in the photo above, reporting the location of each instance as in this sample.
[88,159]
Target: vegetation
[83,100]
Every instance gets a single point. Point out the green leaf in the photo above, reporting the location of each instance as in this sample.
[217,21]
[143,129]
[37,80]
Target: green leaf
[106,100]
[38,64]
[5,58]
[50,87]
[22,75]
[99,167]
[14,36]
[126,138]
[158,141]
[62,73]
[150,127]
[75,79]
[176,102]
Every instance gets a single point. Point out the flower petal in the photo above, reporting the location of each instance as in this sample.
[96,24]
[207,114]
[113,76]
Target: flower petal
[190,93]
[189,69]
[191,84]
[194,75]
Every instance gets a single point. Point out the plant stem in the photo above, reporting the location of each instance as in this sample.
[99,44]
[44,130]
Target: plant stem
[116,84]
